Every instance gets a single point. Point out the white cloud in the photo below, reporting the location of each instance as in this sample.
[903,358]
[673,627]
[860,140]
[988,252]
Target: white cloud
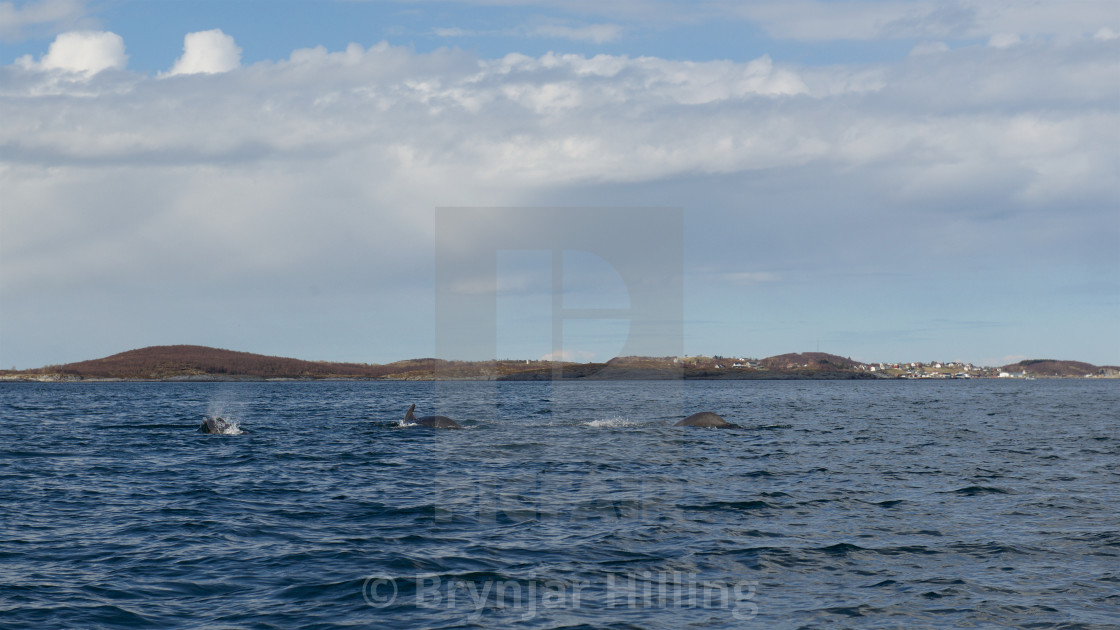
[815,20]
[1105,34]
[450,32]
[17,20]
[820,20]
[1004,40]
[207,52]
[929,48]
[597,33]
[81,52]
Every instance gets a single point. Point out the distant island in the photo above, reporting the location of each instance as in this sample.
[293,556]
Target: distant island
[201,363]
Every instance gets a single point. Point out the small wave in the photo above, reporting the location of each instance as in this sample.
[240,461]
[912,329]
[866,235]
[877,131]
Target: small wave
[758,533]
[728,505]
[336,591]
[942,580]
[840,549]
[988,549]
[971,491]
[907,550]
[114,616]
[862,610]
[158,426]
[611,423]
[400,424]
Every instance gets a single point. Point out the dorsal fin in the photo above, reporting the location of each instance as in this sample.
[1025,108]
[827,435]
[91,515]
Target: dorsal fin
[408,417]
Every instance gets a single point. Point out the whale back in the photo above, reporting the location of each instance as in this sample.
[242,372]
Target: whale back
[706,419]
[438,422]
[434,422]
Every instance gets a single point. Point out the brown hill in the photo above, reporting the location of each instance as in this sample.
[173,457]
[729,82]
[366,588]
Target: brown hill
[809,361]
[201,362]
[187,361]
[1051,367]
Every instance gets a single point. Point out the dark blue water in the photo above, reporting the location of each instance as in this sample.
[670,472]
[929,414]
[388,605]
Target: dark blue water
[847,504]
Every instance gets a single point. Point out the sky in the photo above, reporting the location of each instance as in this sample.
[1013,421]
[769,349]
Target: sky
[883,180]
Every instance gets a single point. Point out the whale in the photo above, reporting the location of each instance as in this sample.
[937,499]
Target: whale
[434,422]
[218,425]
[707,420]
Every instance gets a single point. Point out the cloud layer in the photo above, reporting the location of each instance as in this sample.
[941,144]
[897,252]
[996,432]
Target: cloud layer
[309,180]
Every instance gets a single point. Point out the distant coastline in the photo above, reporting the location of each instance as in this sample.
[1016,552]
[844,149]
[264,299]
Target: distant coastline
[186,363]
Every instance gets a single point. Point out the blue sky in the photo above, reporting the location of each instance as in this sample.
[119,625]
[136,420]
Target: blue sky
[884,180]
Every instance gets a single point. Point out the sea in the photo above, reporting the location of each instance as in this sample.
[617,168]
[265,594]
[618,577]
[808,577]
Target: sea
[840,504]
